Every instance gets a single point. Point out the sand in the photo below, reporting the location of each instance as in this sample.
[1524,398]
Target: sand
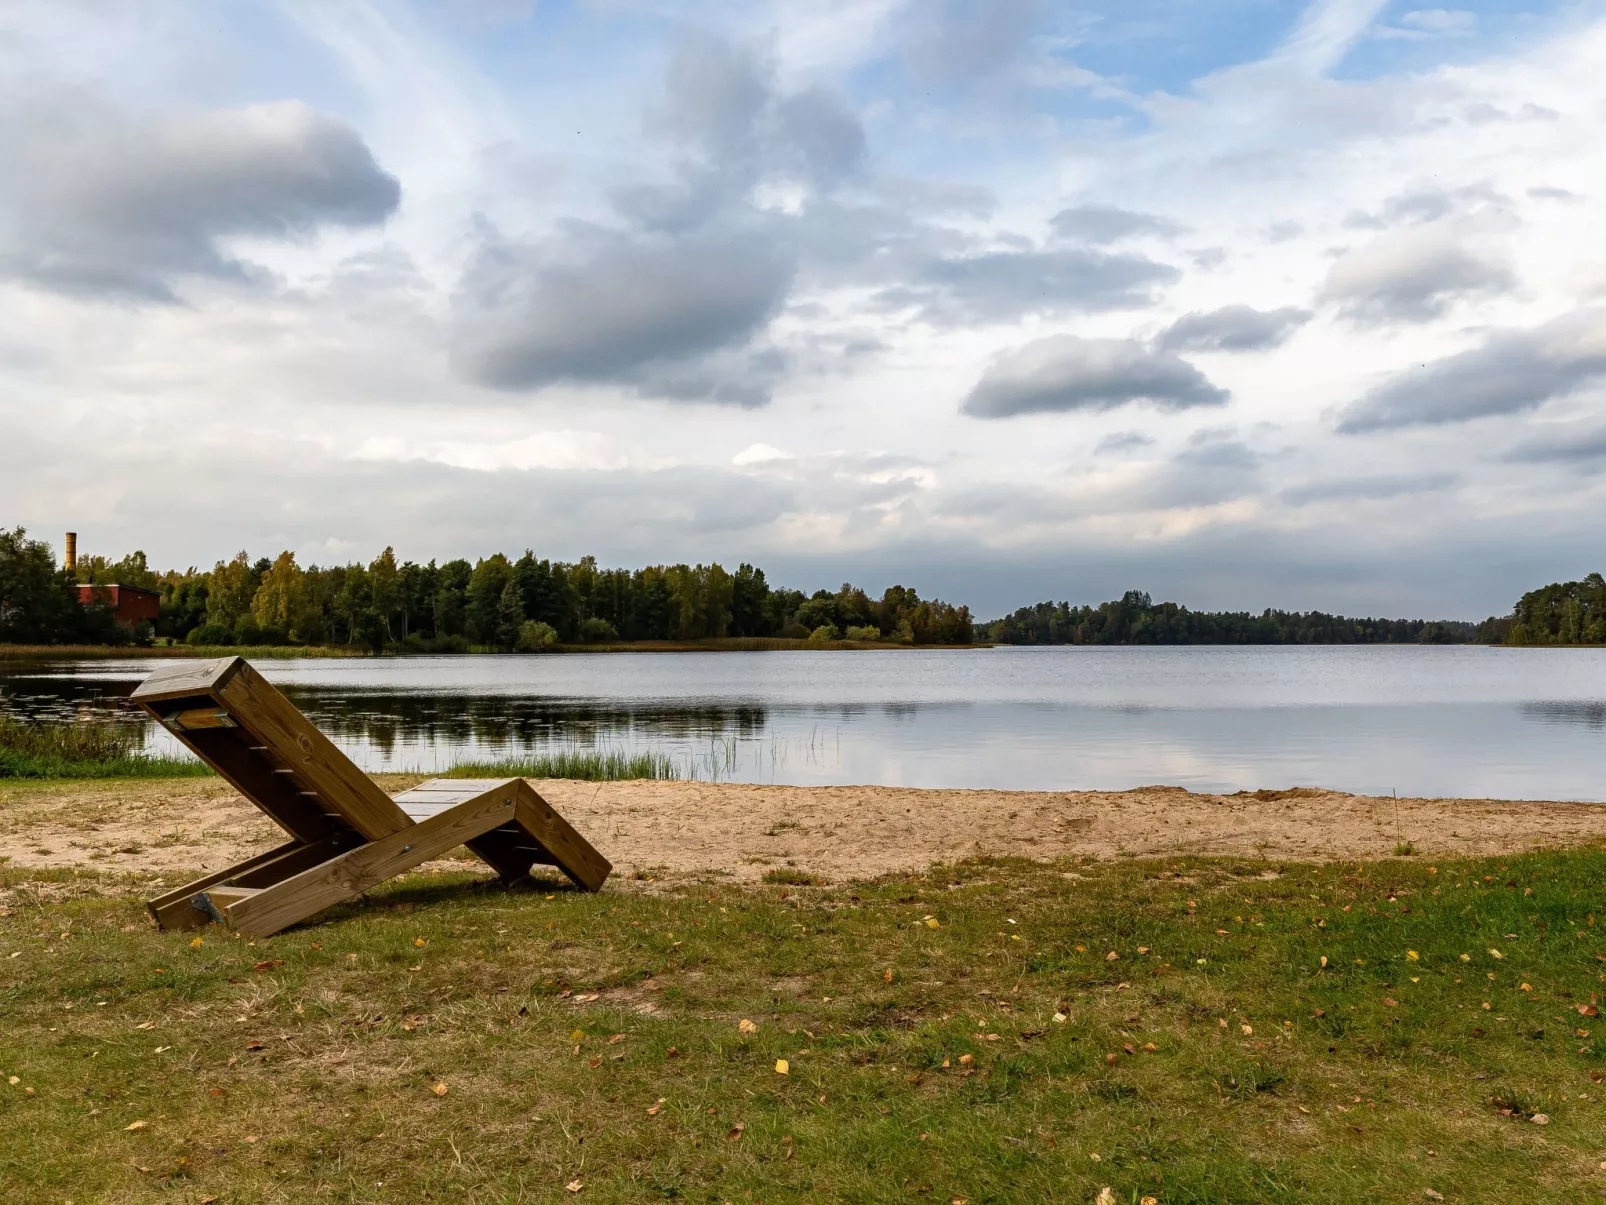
[671,831]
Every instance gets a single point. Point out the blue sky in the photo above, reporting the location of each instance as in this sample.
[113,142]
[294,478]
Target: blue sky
[1247,303]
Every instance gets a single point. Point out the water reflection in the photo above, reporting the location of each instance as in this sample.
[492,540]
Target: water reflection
[1452,722]
[1587,713]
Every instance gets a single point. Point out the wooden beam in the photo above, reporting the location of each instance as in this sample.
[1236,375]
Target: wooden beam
[297,744]
[352,873]
[571,853]
[170,908]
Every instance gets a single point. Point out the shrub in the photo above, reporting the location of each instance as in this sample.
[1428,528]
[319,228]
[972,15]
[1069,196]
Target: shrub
[865,633]
[825,633]
[211,633]
[794,631]
[535,636]
[597,630]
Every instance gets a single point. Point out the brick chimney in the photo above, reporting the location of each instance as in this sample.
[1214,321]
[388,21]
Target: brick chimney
[69,560]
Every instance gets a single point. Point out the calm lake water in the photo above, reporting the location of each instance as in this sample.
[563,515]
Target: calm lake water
[1455,721]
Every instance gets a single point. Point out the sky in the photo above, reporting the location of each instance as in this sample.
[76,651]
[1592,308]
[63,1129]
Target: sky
[1244,303]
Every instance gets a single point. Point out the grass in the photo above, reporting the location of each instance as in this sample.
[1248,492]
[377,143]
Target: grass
[584,765]
[83,749]
[990,1032]
[253,652]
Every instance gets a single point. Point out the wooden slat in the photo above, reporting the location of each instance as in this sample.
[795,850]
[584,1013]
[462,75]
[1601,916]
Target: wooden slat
[353,873]
[296,743]
[198,717]
[187,678]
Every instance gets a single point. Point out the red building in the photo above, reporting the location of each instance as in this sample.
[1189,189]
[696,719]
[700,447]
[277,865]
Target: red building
[129,604]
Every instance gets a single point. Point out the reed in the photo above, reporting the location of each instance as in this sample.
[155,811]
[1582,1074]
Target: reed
[83,749]
[585,765]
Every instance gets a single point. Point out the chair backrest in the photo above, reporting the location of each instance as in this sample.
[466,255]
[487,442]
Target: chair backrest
[230,717]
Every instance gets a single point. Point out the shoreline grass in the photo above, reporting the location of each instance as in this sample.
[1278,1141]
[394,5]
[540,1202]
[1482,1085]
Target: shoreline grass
[84,749]
[583,765]
[270,652]
[1186,1029]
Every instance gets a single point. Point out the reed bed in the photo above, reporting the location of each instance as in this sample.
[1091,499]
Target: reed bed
[83,749]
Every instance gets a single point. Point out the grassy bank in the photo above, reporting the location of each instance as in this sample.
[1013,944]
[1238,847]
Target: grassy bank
[1186,1030]
[91,749]
[108,652]
[269,652]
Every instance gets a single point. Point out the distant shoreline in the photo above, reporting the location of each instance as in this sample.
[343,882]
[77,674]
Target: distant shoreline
[285,652]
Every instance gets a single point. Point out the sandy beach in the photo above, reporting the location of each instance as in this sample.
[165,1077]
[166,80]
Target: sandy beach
[671,831]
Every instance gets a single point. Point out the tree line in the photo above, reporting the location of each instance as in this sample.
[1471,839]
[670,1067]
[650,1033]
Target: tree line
[498,602]
[1135,618]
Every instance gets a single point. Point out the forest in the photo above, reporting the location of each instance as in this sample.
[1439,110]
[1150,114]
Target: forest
[497,602]
[531,604]
[1135,618]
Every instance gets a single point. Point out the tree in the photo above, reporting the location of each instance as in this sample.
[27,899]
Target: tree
[509,615]
[233,585]
[484,597]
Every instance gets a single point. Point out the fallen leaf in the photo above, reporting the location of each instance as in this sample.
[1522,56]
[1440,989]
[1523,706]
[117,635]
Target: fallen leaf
[1540,1119]
[1588,1010]
[440,1089]
[1110,1059]
[196,943]
[595,1062]
[1494,953]
[1060,1018]
[141,1124]
[267,964]
[418,941]
[656,1108]
[746,1026]
[1324,959]
[1431,1195]
[145,1025]
[887,975]
[1106,1197]
[782,1067]
[735,1132]
[966,1060]
[932,923]
[618,1037]
[577,1036]
[1247,1030]
[573,1186]
[1111,956]
[1389,1002]
[585,997]
[1150,1047]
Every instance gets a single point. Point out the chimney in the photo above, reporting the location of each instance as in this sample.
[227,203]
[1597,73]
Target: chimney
[69,560]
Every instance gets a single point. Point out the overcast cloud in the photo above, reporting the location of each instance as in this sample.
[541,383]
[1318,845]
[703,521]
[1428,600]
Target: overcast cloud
[1246,305]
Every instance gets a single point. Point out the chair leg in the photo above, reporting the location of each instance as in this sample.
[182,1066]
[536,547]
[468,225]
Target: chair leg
[350,874]
[172,910]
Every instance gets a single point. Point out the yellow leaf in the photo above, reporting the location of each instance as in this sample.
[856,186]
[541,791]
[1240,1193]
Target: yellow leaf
[440,1089]
[1324,959]
[1466,958]
[196,943]
[782,1067]
[1247,1030]
[577,1036]
[932,923]
[746,1026]
[1494,953]
[418,941]
[141,1124]
[1413,955]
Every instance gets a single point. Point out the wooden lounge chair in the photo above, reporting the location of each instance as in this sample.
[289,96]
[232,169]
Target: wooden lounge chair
[346,835]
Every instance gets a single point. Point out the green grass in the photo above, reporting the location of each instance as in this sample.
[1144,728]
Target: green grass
[585,765]
[960,1034]
[83,749]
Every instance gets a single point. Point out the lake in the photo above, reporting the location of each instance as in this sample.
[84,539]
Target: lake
[1435,721]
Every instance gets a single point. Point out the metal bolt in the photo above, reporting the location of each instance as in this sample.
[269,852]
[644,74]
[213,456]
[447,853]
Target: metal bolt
[407,849]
